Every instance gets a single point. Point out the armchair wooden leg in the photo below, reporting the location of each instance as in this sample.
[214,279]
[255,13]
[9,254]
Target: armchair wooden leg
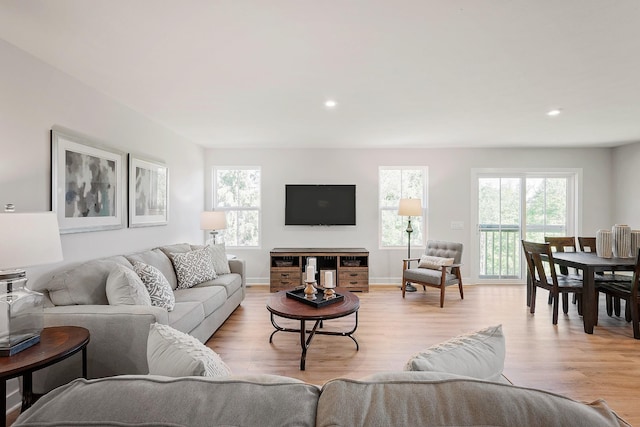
[461,292]
[532,303]
[442,288]
[404,287]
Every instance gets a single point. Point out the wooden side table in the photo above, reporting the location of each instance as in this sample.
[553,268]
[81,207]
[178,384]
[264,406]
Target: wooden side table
[56,344]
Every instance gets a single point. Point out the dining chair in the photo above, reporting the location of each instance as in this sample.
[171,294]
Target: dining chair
[588,244]
[627,291]
[537,256]
[565,244]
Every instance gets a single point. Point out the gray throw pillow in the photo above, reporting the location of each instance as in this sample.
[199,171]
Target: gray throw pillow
[219,257]
[124,287]
[193,267]
[175,354]
[478,355]
[159,288]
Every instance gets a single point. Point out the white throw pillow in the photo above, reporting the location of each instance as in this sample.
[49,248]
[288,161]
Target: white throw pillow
[159,288]
[176,354]
[434,262]
[478,355]
[220,260]
[124,287]
[193,267]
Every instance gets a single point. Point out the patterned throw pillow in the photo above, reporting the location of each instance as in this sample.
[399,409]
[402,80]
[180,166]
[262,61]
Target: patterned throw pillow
[193,267]
[175,354]
[157,285]
[434,262]
[220,261]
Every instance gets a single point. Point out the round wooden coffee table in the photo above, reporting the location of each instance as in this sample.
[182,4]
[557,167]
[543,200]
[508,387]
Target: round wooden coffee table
[280,305]
[56,344]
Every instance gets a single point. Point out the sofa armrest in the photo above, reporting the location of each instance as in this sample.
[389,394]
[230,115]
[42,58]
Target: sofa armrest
[117,342]
[238,266]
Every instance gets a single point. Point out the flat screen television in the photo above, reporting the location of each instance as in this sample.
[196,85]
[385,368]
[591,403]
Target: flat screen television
[320,205]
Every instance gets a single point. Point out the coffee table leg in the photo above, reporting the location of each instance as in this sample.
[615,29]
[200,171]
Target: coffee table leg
[303,344]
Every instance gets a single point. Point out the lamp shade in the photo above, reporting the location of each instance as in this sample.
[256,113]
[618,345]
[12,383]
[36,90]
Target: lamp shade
[410,207]
[213,220]
[28,239]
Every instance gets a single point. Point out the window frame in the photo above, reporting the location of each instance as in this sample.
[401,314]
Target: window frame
[258,209]
[422,219]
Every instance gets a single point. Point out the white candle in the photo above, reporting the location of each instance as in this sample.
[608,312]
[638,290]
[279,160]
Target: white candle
[328,279]
[312,262]
[311,273]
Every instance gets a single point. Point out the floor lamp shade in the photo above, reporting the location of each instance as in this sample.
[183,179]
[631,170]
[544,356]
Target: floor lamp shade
[27,239]
[410,207]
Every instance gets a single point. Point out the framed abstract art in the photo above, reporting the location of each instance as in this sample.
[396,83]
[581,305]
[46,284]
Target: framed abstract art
[87,184]
[148,192]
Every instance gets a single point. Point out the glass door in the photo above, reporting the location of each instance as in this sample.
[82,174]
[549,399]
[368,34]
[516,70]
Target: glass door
[515,206]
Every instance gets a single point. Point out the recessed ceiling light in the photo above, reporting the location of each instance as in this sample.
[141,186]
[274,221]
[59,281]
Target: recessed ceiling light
[554,112]
[330,103]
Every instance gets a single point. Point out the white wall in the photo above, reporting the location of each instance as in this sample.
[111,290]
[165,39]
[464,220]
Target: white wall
[449,190]
[626,191]
[36,97]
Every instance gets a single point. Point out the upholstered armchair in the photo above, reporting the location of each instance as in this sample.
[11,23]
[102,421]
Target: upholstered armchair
[439,267]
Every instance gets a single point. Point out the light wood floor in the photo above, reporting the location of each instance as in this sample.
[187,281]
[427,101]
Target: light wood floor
[561,359]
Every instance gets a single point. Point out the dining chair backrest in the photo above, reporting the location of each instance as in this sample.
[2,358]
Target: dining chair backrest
[562,244]
[587,244]
[537,255]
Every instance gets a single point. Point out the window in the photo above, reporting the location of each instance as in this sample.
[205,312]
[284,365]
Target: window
[397,183]
[520,205]
[236,190]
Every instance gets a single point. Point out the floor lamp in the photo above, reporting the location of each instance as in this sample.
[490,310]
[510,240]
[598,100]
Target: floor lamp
[409,208]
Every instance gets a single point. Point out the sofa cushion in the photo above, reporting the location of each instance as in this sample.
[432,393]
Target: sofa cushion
[231,282]
[434,262]
[82,284]
[211,297]
[176,354]
[160,401]
[429,276]
[124,287]
[159,260]
[452,402]
[159,289]
[193,267]
[478,354]
[186,316]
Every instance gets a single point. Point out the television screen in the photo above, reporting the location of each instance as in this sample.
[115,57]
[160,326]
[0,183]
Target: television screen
[320,205]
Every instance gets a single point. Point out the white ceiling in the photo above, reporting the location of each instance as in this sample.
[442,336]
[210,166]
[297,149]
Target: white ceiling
[405,73]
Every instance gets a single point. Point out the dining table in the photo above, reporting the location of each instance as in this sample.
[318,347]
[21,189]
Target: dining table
[590,264]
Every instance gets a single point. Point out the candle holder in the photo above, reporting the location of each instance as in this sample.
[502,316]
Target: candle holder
[329,293]
[310,291]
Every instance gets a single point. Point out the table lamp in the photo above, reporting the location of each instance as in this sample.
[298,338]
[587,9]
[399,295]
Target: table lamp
[213,221]
[28,239]
[409,208]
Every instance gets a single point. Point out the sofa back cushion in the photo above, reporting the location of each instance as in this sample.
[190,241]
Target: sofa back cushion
[82,284]
[460,401]
[158,259]
[159,401]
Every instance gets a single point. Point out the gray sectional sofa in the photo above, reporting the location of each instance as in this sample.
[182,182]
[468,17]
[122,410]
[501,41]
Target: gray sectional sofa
[76,295]
[387,399]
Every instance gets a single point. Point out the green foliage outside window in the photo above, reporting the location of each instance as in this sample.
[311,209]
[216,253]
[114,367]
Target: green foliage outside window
[237,192]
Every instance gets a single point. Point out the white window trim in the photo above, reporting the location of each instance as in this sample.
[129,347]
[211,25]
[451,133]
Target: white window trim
[425,209]
[214,169]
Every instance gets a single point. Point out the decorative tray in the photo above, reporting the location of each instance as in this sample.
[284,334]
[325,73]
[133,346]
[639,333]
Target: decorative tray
[298,294]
